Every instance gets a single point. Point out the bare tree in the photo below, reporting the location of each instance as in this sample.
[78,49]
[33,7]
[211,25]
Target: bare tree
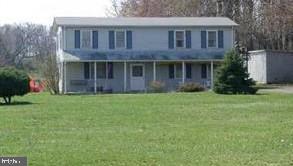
[23,40]
[264,24]
[20,42]
[51,74]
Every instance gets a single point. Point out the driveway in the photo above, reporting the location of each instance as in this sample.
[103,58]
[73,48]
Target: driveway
[279,89]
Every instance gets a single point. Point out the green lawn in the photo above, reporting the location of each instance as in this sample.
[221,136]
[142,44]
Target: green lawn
[150,129]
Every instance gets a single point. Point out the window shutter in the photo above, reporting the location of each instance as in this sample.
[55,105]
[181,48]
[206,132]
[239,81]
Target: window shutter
[129,39]
[188,39]
[111,40]
[171,39]
[171,71]
[203,71]
[86,70]
[220,39]
[203,39]
[110,70]
[77,39]
[188,70]
[95,39]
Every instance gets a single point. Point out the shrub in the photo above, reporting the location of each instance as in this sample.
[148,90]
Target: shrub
[157,86]
[232,77]
[190,87]
[13,82]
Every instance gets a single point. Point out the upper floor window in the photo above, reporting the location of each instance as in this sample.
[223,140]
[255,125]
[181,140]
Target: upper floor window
[86,39]
[212,39]
[180,38]
[120,39]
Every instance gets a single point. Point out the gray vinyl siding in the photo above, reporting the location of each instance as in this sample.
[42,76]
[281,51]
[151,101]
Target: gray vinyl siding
[75,71]
[228,38]
[266,66]
[69,39]
[279,67]
[150,38]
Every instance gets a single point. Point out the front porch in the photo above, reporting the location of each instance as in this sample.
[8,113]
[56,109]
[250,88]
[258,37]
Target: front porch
[127,76]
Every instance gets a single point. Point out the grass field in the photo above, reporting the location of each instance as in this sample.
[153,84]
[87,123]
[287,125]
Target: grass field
[149,129]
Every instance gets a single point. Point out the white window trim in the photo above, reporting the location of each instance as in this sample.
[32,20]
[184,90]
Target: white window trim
[125,42]
[184,39]
[91,38]
[207,38]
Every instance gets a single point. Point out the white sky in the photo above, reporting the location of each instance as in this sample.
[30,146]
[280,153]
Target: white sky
[43,11]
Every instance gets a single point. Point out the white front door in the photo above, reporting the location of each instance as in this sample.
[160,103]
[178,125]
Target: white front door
[137,80]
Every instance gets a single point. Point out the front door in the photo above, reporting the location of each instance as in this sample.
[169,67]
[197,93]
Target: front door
[137,80]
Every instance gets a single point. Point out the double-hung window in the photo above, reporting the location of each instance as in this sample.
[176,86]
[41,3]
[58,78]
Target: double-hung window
[104,70]
[89,70]
[175,71]
[179,39]
[86,39]
[212,39]
[120,39]
[178,70]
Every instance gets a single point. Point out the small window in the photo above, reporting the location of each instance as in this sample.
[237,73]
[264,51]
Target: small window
[137,71]
[120,39]
[86,39]
[180,39]
[212,39]
[203,71]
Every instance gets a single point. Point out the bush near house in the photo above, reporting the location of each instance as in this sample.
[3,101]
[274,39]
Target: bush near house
[190,87]
[232,77]
[13,82]
[157,86]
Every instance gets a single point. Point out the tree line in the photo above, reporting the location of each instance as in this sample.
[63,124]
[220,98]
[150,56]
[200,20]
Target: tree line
[32,48]
[264,24]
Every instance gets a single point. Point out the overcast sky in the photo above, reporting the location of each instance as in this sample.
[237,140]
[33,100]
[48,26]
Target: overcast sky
[43,11]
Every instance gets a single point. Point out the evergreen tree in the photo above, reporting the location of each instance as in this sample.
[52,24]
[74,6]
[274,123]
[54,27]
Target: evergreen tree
[232,77]
[13,82]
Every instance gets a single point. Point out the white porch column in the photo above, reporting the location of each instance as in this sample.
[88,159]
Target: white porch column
[183,72]
[125,76]
[65,76]
[212,74]
[154,71]
[95,77]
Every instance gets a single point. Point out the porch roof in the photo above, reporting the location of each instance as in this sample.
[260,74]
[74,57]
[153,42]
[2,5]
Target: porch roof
[167,55]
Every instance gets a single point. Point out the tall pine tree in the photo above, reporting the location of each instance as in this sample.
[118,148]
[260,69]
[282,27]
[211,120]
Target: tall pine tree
[232,77]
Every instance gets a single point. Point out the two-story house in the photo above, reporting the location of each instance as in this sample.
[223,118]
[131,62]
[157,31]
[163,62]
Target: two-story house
[127,54]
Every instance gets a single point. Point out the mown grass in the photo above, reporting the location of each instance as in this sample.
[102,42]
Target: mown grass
[149,129]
